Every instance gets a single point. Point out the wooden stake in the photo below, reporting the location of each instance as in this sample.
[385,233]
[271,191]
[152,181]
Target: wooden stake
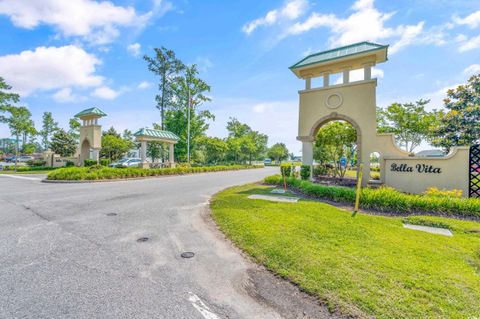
[359,187]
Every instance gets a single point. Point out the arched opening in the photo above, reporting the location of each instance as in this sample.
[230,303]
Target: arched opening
[85,151]
[336,151]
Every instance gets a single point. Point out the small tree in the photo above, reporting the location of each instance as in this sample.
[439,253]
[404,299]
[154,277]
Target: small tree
[460,125]
[49,126]
[410,122]
[74,128]
[17,118]
[114,147]
[278,152]
[63,143]
[336,140]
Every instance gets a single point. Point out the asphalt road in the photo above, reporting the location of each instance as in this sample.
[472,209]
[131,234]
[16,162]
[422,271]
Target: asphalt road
[73,251]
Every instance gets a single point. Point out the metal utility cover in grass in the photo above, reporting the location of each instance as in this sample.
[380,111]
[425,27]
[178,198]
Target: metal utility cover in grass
[428,229]
[280,199]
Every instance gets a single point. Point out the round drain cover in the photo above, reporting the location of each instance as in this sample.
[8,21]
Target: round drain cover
[112,214]
[143,239]
[187,254]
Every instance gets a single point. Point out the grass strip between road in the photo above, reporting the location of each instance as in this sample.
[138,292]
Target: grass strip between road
[103,173]
[386,199]
[364,265]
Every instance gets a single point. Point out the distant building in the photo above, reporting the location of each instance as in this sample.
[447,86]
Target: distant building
[430,153]
[7,145]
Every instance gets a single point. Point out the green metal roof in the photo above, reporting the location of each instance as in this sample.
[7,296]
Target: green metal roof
[95,111]
[164,135]
[338,53]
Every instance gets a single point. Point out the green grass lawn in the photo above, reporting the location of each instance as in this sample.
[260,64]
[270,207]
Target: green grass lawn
[363,265]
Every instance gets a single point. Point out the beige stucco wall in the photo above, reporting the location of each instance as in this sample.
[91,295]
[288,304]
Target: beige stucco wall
[355,103]
[454,172]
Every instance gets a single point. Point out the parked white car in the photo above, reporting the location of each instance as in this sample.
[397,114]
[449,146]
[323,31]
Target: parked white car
[127,162]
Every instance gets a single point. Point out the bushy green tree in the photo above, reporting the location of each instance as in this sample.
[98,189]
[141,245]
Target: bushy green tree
[74,128]
[410,122]
[63,143]
[278,152]
[185,86]
[49,126]
[460,125]
[337,139]
[244,144]
[18,118]
[114,146]
[214,149]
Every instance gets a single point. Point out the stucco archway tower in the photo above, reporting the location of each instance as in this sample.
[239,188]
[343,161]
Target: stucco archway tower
[352,101]
[90,134]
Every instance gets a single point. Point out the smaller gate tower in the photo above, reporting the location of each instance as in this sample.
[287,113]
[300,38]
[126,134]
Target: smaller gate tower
[90,134]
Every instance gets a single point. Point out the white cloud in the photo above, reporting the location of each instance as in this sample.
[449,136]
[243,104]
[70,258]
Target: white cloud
[366,23]
[134,49]
[144,85]
[95,21]
[472,20]
[203,64]
[472,70]
[467,44]
[106,93]
[48,68]
[64,95]
[290,11]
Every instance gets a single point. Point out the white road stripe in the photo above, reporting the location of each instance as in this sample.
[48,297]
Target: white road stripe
[201,307]
[21,177]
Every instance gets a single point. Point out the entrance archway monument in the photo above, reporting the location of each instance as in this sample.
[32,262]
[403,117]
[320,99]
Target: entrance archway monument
[90,134]
[355,103]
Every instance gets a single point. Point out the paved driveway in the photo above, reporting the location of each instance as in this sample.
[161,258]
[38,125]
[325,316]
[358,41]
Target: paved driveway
[75,250]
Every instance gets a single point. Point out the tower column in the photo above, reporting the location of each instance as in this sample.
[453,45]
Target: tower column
[143,154]
[367,72]
[171,157]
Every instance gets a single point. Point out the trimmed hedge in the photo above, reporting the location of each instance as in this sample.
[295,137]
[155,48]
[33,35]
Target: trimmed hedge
[387,199]
[28,168]
[98,172]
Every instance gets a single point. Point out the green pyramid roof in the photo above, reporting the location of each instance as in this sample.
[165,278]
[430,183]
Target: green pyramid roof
[338,53]
[93,111]
[164,135]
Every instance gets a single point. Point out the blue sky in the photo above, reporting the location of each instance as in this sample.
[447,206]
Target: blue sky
[65,56]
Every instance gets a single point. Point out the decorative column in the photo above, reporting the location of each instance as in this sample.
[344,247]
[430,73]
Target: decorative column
[326,79]
[346,76]
[307,156]
[367,72]
[308,83]
[307,153]
[143,154]
[171,157]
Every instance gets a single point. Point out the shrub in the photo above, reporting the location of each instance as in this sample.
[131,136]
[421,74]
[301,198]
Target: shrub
[286,170]
[28,168]
[435,192]
[36,163]
[387,199]
[95,172]
[104,161]
[69,164]
[305,172]
[320,170]
[89,162]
